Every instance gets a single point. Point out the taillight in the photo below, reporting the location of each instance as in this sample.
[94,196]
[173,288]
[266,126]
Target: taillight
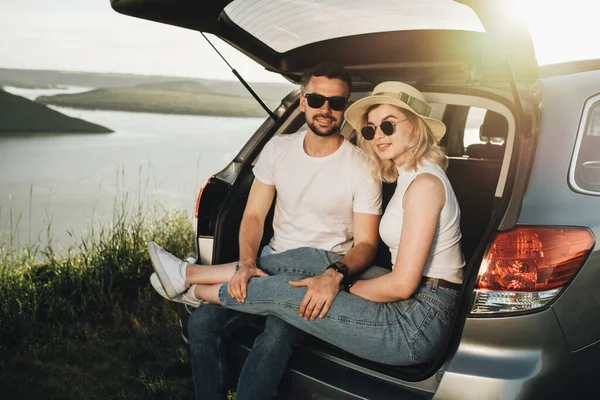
[195,224]
[199,197]
[527,267]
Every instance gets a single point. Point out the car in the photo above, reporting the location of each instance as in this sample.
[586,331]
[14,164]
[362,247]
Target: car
[524,149]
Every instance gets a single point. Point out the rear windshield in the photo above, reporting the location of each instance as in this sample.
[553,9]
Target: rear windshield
[286,25]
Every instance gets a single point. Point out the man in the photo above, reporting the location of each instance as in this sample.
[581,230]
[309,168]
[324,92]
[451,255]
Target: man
[325,199]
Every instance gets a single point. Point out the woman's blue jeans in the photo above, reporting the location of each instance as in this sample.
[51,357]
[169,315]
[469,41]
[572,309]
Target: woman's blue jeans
[404,332]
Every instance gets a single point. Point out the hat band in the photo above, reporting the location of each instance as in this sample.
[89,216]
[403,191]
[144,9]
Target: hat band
[417,105]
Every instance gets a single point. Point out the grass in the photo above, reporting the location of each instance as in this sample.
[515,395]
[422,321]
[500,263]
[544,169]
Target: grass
[86,323]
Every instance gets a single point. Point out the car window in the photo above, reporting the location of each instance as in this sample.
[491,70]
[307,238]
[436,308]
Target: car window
[485,134]
[474,120]
[584,175]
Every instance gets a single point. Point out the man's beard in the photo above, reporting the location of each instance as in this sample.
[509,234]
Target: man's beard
[315,128]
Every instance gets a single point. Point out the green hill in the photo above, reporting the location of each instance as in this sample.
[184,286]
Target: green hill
[178,97]
[46,78]
[19,115]
[29,78]
[269,92]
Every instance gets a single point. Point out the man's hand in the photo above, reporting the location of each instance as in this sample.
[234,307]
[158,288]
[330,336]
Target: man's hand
[239,281]
[321,292]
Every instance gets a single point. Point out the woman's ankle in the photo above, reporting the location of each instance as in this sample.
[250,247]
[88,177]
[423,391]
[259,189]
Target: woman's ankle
[192,292]
[208,292]
[187,271]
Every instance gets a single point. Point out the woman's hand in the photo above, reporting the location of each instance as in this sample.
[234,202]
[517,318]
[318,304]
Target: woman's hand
[238,283]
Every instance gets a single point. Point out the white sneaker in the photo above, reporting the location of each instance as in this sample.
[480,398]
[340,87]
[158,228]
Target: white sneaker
[185,298]
[169,269]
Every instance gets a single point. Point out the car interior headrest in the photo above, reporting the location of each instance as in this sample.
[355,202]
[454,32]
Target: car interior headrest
[495,126]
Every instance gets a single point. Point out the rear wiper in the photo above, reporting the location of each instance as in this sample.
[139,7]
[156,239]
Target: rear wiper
[252,92]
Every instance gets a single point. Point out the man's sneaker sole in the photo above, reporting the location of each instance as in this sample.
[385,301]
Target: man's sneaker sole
[182,298]
[162,274]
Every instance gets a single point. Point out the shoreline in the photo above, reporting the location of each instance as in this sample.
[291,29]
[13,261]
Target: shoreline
[32,133]
[177,98]
[150,110]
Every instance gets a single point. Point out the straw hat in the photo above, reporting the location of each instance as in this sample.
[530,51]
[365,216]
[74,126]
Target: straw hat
[398,94]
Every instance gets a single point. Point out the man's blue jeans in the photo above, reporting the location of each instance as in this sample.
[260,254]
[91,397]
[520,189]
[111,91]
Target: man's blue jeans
[211,325]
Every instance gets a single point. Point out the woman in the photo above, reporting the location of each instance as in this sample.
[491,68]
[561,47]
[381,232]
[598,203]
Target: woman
[397,317]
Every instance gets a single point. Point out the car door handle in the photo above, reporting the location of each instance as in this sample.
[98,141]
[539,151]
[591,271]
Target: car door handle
[591,164]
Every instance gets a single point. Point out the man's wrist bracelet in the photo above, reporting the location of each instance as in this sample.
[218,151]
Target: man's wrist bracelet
[237,265]
[340,267]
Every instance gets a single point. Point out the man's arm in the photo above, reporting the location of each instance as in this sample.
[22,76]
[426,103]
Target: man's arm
[251,232]
[366,239]
[323,289]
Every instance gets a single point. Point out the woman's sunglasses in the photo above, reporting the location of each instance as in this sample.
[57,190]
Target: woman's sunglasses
[387,127]
[336,103]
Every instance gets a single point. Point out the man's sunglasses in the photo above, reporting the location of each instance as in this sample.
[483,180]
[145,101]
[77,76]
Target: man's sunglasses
[336,103]
[387,127]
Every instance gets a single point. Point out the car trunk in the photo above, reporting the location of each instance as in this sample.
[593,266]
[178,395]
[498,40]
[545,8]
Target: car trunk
[489,57]
[485,208]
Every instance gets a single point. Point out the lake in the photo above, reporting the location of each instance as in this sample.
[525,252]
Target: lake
[71,179]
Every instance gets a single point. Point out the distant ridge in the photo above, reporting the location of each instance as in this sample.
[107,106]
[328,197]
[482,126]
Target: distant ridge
[29,78]
[180,97]
[20,115]
[150,93]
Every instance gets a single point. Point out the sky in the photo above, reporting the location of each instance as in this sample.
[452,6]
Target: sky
[87,35]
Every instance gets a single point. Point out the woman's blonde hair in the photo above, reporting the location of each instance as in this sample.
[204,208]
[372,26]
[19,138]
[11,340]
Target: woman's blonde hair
[422,146]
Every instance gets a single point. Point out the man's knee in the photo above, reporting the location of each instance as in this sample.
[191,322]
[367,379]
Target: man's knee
[208,320]
[304,259]
[212,320]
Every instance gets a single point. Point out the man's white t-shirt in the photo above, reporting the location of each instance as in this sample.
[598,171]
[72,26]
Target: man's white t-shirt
[316,196]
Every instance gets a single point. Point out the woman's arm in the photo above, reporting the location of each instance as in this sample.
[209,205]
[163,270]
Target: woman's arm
[422,203]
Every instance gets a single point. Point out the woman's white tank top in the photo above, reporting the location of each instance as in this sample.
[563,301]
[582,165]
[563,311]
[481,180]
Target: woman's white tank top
[445,260]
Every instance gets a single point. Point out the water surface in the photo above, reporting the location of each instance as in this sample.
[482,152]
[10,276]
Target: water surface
[74,177]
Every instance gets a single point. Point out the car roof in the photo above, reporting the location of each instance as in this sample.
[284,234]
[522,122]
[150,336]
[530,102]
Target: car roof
[432,41]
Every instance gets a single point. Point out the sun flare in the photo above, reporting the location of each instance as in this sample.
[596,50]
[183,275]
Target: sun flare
[561,31]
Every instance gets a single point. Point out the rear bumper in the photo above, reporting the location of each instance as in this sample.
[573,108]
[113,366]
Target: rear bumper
[522,357]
